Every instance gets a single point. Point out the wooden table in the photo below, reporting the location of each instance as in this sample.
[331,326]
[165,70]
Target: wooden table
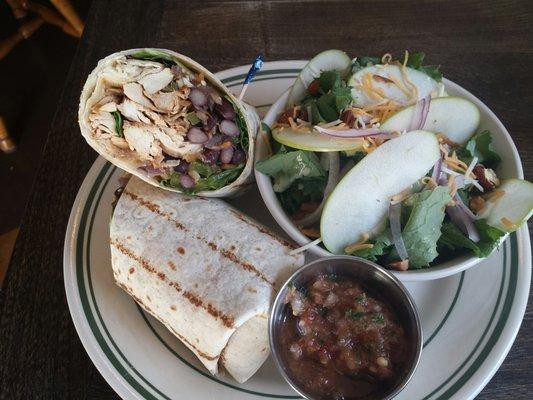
[484,46]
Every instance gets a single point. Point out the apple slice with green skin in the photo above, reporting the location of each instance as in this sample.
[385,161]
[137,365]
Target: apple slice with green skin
[425,84]
[455,117]
[329,60]
[360,201]
[315,141]
[513,208]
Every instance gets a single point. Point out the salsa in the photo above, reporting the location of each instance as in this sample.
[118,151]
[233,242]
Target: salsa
[338,341]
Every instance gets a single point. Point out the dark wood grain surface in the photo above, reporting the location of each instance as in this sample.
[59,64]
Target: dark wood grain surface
[485,46]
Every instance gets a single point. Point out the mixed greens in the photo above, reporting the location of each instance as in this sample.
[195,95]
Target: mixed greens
[375,159]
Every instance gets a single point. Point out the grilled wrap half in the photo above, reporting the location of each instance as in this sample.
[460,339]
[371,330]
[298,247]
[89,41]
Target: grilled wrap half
[161,116]
[206,271]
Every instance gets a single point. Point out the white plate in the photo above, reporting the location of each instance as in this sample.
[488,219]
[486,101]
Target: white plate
[469,320]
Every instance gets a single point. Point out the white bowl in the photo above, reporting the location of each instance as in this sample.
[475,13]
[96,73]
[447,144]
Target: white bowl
[510,167]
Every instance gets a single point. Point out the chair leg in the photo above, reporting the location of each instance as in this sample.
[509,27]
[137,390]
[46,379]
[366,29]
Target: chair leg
[52,17]
[17,6]
[70,14]
[24,32]
[7,145]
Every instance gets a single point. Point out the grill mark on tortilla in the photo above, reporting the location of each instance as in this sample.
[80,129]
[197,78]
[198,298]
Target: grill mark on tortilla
[180,337]
[225,253]
[171,265]
[227,320]
[263,230]
[247,266]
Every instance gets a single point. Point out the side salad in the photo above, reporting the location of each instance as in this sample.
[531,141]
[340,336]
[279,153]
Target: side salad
[373,158]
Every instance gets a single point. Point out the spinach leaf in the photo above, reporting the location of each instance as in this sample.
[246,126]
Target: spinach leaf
[452,239]
[118,123]
[364,61]
[212,182]
[343,98]
[329,80]
[415,61]
[382,244]
[423,228]
[327,106]
[204,170]
[285,168]
[193,118]
[315,116]
[480,146]
[302,191]
[155,55]
[489,237]
[240,121]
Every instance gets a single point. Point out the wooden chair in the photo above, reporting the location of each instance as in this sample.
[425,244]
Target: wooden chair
[64,18]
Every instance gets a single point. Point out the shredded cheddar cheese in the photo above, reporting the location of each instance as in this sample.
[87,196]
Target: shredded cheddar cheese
[355,247]
[477,204]
[494,195]
[508,224]
[387,58]
[452,185]
[362,244]
[429,182]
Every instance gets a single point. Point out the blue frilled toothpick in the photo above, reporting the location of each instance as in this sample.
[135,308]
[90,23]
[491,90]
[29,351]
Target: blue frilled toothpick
[256,66]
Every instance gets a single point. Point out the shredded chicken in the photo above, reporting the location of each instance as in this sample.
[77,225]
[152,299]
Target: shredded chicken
[153,113]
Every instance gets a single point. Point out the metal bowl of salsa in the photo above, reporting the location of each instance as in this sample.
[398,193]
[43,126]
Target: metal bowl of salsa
[344,328]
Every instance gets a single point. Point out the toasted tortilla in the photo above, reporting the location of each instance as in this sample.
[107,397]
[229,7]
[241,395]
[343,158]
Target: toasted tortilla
[93,92]
[202,268]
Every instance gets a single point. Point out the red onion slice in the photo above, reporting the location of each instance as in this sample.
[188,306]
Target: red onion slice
[196,135]
[437,170]
[460,181]
[420,113]
[463,221]
[459,203]
[352,133]
[229,128]
[226,155]
[461,215]
[395,211]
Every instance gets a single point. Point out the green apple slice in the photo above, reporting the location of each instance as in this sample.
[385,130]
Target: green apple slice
[315,141]
[328,60]
[360,201]
[425,84]
[454,117]
[513,208]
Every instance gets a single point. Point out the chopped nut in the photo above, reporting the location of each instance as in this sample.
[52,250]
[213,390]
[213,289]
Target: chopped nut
[291,113]
[486,177]
[477,204]
[399,265]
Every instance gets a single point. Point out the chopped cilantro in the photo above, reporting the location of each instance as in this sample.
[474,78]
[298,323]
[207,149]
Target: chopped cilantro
[352,314]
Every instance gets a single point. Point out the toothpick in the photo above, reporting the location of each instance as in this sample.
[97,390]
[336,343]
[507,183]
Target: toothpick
[256,66]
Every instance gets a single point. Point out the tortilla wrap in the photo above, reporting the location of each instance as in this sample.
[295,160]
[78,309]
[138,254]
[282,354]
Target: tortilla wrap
[153,136]
[202,268]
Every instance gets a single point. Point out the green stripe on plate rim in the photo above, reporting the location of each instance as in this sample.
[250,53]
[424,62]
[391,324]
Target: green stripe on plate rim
[137,386]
